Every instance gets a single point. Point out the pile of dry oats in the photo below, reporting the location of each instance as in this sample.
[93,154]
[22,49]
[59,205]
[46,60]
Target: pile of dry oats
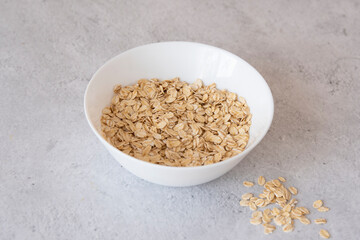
[174,123]
[284,216]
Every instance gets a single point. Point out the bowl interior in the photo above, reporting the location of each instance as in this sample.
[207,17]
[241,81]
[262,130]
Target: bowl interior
[188,61]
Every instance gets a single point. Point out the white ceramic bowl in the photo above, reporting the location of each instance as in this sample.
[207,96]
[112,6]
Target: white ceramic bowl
[188,61]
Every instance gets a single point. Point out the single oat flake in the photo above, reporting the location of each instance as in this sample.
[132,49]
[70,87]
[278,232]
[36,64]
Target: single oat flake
[261,180]
[323,209]
[252,206]
[268,228]
[317,203]
[293,190]
[324,234]
[255,221]
[256,214]
[248,184]
[304,220]
[174,123]
[288,228]
[246,196]
[282,179]
[244,203]
[320,221]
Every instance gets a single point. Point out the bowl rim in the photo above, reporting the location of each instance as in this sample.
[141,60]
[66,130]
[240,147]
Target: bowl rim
[244,153]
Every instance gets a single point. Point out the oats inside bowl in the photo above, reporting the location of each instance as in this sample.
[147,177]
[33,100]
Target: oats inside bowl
[178,124]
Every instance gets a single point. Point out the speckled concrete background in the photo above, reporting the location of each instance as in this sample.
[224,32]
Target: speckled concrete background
[58,182]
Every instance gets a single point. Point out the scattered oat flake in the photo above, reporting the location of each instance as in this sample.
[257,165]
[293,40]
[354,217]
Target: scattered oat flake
[244,203]
[253,199]
[275,211]
[293,202]
[287,208]
[266,225]
[288,228]
[268,228]
[266,218]
[323,209]
[304,210]
[252,206]
[268,231]
[270,196]
[282,179]
[293,190]
[320,221]
[304,220]
[262,195]
[246,196]
[260,202]
[297,212]
[255,221]
[267,211]
[261,180]
[248,184]
[324,234]
[317,203]
[256,214]
[279,220]
[276,182]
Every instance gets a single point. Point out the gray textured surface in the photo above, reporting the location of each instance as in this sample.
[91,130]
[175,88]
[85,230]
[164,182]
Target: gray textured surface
[58,182]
